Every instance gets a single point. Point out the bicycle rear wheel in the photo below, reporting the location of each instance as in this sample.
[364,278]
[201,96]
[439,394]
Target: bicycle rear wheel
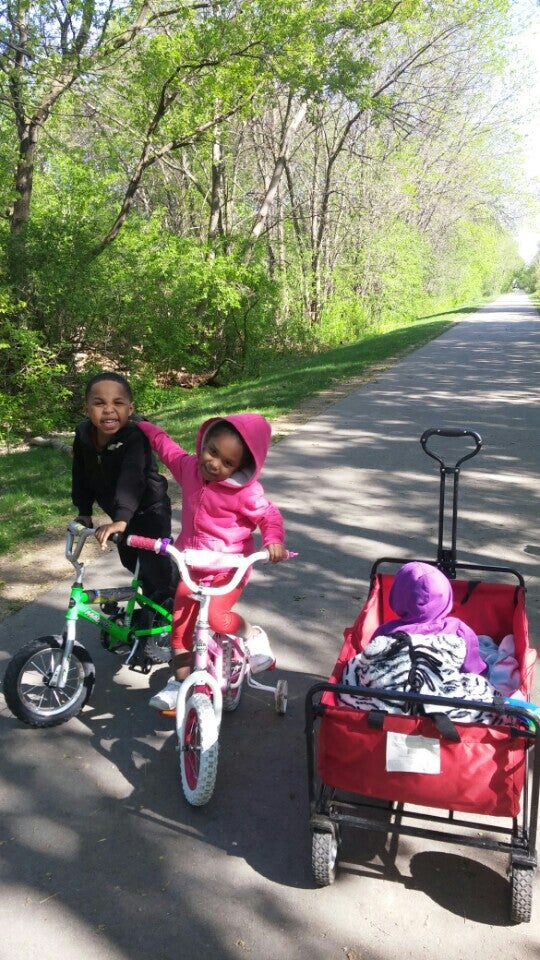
[157,648]
[199,749]
[233,661]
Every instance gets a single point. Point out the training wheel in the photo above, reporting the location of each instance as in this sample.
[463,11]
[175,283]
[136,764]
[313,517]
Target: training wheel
[281,696]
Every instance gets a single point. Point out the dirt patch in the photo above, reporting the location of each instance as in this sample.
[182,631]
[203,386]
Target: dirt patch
[38,565]
[35,567]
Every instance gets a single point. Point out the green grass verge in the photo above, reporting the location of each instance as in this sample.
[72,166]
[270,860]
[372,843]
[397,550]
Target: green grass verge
[35,484]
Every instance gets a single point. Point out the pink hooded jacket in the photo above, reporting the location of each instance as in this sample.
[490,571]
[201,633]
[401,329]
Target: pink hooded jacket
[221,515]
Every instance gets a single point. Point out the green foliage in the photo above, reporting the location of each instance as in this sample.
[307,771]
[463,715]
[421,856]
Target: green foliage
[32,397]
[385,279]
[35,485]
[34,495]
[388,200]
[156,301]
[529,277]
[480,261]
[169,304]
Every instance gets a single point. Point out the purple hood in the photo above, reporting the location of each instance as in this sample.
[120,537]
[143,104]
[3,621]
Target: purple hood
[422,597]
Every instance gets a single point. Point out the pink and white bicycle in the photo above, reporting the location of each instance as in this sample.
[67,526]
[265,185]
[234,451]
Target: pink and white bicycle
[220,666]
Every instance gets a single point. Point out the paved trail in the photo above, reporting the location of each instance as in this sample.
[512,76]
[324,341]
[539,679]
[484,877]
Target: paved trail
[102,858]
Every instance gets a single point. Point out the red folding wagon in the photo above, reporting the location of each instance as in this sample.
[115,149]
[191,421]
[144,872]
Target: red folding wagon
[446,776]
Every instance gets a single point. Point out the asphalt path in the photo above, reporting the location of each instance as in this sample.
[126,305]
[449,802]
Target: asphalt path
[102,858]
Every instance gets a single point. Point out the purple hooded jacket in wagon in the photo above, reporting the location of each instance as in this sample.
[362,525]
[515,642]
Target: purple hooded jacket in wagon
[424,651]
[422,597]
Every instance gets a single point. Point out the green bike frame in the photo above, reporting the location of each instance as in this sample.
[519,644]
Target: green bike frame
[83,606]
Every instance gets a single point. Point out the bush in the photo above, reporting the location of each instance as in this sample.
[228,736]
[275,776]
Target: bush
[32,396]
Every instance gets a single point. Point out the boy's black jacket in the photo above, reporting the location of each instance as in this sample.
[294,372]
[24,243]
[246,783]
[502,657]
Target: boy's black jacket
[122,478]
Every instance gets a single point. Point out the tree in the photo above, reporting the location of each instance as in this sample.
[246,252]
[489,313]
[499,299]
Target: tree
[217,178]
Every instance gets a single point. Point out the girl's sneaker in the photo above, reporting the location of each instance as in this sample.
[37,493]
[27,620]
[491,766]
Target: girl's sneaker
[260,655]
[167,698]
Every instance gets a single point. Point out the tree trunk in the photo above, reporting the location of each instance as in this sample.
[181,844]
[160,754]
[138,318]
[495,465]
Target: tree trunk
[279,167]
[20,211]
[215,224]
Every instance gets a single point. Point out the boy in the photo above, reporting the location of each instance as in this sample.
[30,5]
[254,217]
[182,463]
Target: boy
[114,467]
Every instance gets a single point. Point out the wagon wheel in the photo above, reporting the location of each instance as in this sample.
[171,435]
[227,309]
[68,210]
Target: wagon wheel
[324,856]
[521,891]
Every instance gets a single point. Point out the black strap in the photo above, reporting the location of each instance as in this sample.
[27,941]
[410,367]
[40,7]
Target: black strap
[375,719]
[446,727]
[472,586]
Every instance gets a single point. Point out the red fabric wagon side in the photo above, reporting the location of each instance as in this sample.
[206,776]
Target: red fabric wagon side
[484,772]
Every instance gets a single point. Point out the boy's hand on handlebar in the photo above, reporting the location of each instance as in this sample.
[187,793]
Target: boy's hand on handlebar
[276,552]
[108,529]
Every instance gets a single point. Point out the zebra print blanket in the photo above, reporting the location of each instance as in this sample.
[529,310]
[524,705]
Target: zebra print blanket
[418,663]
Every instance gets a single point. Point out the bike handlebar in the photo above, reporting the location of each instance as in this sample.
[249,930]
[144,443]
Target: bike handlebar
[205,559]
[148,543]
[77,531]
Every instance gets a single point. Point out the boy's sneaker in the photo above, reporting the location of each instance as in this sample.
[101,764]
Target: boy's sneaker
[167,698]
[260,655]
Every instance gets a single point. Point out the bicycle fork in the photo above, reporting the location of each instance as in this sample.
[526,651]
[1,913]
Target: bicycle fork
[200,676]
[59,676]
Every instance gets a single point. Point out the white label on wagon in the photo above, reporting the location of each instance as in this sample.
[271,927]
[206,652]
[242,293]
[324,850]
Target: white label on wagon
[408,753]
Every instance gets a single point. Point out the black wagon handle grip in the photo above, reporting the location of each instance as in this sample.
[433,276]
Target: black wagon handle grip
[451,432]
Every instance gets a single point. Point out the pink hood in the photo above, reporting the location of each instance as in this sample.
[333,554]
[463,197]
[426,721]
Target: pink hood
[256,433]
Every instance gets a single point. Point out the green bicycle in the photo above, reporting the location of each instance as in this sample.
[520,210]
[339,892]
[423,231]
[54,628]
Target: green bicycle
[50,679]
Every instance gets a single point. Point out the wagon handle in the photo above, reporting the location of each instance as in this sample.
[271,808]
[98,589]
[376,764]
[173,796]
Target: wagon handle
[446,556]
[450,432]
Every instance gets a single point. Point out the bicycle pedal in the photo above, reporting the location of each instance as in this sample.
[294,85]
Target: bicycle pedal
[119,650]
[167,713]
[141,666]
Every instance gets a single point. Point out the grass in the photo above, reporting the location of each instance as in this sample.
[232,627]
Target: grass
[35,484]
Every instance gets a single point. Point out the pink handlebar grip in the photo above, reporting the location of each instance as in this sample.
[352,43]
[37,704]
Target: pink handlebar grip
[147,543]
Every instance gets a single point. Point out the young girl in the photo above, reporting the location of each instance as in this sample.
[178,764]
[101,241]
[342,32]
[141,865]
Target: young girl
[222,504]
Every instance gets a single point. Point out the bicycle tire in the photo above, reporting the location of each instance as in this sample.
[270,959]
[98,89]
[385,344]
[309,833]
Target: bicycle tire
[199,749]
[157,648]
[232,665]
[26,689]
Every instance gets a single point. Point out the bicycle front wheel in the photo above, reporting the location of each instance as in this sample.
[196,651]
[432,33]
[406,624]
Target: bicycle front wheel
[199,748]
[27,689]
